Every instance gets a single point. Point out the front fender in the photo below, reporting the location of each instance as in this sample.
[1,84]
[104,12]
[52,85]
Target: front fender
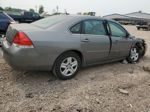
[140,43]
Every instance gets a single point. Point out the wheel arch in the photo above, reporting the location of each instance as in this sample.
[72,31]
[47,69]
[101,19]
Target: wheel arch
[137,42]
[140,43]
[75,51]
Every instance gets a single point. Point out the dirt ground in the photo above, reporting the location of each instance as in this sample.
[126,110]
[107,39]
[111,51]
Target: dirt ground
[94,89]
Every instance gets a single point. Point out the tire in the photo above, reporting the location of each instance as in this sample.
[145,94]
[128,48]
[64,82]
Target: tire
[147,29]
[142,49]
[67,65]
[134,55]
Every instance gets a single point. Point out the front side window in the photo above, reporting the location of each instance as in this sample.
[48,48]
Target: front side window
[117,30]
[94,27]
[35,15]
[76,28]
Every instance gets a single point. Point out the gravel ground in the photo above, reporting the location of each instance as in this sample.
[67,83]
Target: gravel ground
[114,87]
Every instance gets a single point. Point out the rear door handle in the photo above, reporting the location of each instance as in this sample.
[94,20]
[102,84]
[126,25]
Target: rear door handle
[85,40]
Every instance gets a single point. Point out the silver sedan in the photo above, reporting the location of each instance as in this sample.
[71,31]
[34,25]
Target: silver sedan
[64,44]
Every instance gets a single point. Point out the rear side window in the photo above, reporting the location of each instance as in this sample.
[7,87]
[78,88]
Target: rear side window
[28,14]
[76,28]
[117,30]
[94,27]
[49,21]
[3,16]
[35,15]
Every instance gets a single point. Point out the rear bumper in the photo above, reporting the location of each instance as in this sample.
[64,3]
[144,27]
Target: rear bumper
[25,58]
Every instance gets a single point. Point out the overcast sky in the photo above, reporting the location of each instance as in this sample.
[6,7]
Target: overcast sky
[101,7]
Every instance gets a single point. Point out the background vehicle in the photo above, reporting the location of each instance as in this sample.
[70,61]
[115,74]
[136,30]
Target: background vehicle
[5,21]
[144,25]
[65,43]
[25,17]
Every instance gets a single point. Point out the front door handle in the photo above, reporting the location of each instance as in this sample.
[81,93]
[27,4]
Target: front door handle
[85,40]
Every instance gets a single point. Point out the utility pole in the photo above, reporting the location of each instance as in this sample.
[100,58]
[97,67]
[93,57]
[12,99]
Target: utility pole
[36,8]
[57,8]
[65,11]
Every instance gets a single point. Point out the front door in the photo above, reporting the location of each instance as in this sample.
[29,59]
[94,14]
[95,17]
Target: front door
[121,44]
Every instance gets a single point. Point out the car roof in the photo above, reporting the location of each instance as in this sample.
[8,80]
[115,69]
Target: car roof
[84,17]
[69,21]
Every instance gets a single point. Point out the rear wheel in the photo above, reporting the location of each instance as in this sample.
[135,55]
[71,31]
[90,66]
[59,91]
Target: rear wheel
[67,65]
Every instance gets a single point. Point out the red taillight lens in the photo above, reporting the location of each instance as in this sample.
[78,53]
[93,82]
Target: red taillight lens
[22,40]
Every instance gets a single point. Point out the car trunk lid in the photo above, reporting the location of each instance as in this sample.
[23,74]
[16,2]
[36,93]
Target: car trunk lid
[13,29]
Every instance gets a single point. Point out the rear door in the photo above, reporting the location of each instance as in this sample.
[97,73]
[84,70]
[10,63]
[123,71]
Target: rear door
[121,43]
[95,41]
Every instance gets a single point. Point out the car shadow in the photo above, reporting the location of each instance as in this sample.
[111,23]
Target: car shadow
[43,82]
[33,82]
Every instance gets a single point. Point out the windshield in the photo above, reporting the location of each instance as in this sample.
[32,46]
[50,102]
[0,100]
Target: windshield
[49,21]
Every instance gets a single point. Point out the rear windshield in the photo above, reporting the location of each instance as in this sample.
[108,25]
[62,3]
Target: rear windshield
[3,16]
[49,21]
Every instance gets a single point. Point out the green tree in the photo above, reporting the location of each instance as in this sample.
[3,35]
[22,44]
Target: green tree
[41,9]
[85,13]
[92,13]
[8,9]
[1,8]
[31,10]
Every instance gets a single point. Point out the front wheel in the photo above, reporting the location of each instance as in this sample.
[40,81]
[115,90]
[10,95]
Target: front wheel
[67,65]
[138,28]
[134,55]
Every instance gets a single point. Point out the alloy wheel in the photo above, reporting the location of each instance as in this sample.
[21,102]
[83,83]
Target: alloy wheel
[134,54]
[69,66]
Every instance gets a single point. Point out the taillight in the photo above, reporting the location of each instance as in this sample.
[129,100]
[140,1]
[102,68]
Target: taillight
[11,22]
[21,39]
